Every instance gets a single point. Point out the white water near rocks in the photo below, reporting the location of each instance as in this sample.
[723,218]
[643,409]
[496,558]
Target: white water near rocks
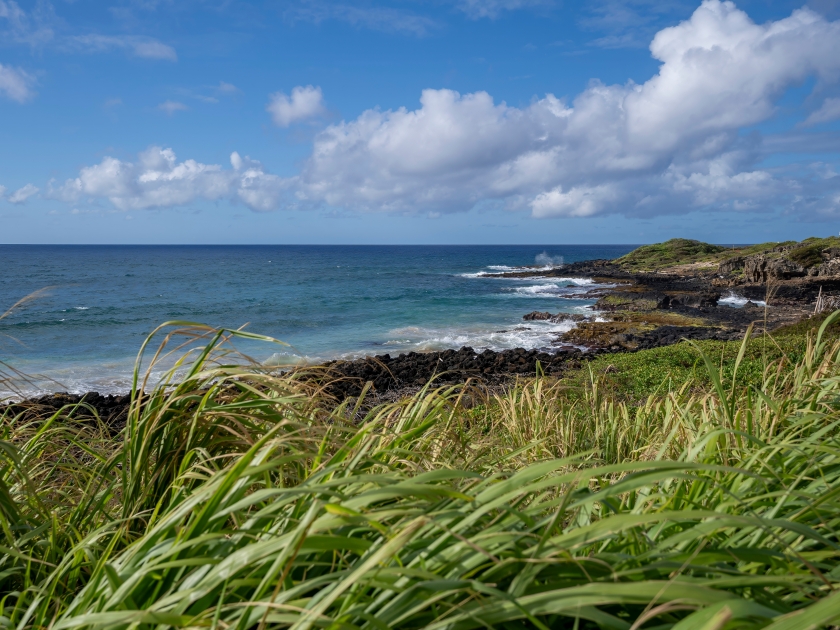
[738,301]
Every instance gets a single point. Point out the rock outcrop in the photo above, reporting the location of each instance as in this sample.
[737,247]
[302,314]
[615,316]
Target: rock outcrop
[537,316]
[546,316]
[760,269]
[409,371]
[730,265]
[810,258]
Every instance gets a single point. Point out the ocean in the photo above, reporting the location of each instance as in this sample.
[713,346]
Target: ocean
[84,331]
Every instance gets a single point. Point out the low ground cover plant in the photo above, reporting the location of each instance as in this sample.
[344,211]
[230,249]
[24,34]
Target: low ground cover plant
[236,497]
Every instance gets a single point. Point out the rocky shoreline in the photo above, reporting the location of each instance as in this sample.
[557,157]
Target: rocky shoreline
[653,297]
[635,310]
[642,311]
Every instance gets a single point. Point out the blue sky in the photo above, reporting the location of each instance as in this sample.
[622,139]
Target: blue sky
[475,121]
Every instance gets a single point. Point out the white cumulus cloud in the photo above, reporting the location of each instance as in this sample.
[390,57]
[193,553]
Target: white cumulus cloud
[259,190]
[305,103]
[666,145]
[681,140]
[578,201]
[16,84]
[22,194]
[158,180]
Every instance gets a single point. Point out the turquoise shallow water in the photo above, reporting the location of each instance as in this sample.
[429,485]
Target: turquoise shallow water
[326,301]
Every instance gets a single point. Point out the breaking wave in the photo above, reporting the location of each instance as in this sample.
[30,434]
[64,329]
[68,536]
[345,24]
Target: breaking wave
[528,335]
[738,301]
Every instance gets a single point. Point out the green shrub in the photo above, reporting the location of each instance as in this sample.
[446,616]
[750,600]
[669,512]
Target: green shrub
[808,252]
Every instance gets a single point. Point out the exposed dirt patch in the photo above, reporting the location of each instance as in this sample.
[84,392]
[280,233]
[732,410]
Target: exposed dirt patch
[690,268]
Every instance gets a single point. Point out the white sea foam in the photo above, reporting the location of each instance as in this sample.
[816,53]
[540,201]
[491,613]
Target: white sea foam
[581,282]
[538,289]
[81,308]
[288,359]
[535,334]
[738,301]
[115,377]
[555,287]
[568,281]
[105,379]
[544,263]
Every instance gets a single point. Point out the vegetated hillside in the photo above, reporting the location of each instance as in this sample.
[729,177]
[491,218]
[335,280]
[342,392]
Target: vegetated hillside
[237,497]
[809,252]
[754,263]
[677,251]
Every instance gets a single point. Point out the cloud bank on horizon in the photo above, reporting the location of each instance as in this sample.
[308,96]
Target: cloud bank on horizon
[682,140]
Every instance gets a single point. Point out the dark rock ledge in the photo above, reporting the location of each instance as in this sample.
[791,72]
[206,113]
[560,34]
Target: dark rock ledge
[111,409]
[390,377]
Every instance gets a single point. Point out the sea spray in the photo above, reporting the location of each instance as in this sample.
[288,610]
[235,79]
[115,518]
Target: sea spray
[544,260]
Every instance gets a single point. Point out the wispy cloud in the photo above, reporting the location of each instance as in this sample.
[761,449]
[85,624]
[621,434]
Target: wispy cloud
[40,26]
[477,9]
[210,94]
[171,107]
[629,23]
[22,194]
[226,88]
[16,84]
[830,110]
[386,19]
[33,28]
[143,47]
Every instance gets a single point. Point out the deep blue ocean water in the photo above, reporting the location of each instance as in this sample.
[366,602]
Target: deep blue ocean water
[326,301]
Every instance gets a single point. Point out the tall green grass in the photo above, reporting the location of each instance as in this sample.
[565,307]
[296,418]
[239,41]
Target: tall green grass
[240,498]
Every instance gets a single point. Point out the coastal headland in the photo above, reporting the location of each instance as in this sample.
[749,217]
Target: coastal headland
[657,295]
